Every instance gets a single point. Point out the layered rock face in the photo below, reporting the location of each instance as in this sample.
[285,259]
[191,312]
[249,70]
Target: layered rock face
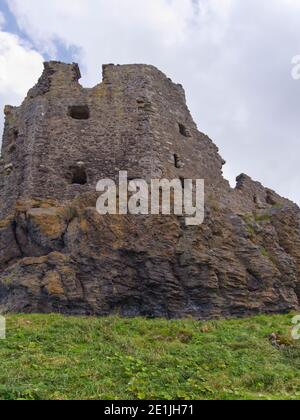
[57,254]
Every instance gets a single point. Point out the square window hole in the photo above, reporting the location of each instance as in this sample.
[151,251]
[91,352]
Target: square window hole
[78,175]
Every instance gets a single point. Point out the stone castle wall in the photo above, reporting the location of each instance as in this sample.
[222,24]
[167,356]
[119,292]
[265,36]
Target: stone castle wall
[135,120]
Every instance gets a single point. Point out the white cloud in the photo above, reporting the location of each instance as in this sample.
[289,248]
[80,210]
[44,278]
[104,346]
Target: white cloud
[121,31]
[20,67]
[233,57]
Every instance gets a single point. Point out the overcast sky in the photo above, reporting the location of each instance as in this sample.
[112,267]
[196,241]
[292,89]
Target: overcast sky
[234,58]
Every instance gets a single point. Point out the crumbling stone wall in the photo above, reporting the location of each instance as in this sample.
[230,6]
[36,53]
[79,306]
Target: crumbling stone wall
[137,121]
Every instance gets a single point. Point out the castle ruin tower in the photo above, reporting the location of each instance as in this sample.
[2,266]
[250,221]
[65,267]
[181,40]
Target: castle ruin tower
[65,138]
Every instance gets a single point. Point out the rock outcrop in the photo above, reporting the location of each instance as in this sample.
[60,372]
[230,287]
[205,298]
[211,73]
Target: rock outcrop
[57,254]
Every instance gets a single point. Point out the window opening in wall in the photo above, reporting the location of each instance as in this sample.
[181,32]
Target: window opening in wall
[177,161]
[79,176]
[79,112]
[183,130]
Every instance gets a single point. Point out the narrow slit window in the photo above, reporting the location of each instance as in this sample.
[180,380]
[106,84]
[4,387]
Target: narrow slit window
[79,112]
[177,161]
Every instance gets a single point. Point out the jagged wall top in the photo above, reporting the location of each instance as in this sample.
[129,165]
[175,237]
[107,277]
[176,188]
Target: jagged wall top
[55,71]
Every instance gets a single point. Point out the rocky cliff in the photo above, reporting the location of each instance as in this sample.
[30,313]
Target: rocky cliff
[57,254]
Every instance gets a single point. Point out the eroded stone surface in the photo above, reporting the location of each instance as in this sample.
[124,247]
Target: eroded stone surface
[57,254]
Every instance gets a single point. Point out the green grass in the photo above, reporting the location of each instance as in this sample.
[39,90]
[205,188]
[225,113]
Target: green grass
[55,357]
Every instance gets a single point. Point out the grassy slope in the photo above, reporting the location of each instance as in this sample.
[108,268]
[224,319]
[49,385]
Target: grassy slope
[53,357]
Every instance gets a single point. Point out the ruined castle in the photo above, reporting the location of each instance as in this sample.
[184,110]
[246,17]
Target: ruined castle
[57,254]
